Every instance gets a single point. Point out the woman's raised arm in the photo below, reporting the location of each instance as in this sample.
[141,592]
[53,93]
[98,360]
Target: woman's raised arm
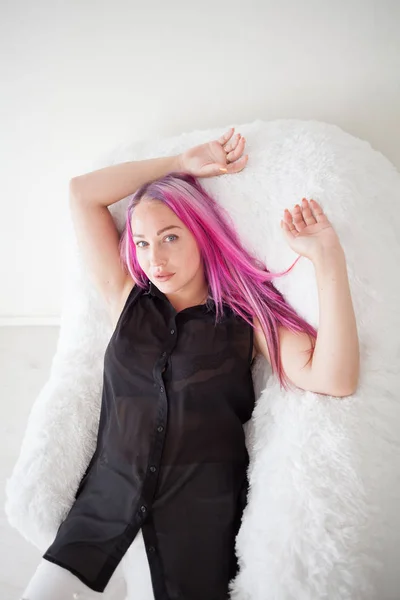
[111,184]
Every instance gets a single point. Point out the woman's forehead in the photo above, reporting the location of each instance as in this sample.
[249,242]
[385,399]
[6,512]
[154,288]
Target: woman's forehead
[155,213]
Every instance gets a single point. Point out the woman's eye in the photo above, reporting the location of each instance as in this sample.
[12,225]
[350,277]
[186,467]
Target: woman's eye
[168,236]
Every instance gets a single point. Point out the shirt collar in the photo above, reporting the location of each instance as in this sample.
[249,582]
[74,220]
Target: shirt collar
[154,291]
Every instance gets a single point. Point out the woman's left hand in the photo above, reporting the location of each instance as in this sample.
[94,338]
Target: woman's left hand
[221,156]
[308,232]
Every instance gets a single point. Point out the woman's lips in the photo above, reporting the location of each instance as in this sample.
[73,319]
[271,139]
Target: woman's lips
[165,277]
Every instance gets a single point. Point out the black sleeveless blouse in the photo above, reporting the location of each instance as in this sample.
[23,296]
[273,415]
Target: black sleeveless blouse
[171,457]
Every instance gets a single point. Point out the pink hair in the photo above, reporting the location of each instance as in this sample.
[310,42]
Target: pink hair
[234,276]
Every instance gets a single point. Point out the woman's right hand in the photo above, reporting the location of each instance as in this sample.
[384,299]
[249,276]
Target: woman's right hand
[221,156]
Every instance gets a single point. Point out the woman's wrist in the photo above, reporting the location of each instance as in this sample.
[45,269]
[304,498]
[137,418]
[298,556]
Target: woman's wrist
[328,255]
[178,164]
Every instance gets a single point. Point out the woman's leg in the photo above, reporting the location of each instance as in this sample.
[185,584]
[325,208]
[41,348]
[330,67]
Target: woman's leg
[51,582]
[137,572]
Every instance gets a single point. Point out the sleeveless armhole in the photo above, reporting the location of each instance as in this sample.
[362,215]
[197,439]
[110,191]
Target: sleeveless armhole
[251,345]
[132,296]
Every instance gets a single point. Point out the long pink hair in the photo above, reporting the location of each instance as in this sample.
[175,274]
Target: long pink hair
[234,276]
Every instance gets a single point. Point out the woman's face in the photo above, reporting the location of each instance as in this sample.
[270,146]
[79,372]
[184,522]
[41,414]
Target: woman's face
[173,250]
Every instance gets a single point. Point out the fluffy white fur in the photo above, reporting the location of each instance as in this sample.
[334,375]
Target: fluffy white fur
[323,517]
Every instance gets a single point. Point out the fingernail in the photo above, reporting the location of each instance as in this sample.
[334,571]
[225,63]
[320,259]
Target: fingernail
[223,170]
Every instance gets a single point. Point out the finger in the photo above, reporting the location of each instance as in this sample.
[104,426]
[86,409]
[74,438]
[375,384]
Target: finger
[286,229]
[233,153]
[307,214]
[226,136]
[298,219]
[238,165]
[233,143]
[288,220]
[212,170]
[320,216]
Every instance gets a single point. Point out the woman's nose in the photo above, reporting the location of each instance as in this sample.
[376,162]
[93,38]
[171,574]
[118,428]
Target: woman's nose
[156,258]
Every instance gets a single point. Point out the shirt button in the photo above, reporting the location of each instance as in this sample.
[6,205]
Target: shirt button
[143,508]
[172,331]
[161,389]
[152,549]
[164,354]
[160,428]
[153,469]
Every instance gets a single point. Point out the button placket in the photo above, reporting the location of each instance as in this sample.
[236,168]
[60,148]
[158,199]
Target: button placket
[149,489]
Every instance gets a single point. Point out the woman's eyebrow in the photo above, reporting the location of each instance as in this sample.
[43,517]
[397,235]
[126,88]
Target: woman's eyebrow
[160,231]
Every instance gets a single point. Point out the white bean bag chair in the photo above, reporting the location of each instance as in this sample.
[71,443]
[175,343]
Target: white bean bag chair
[322,519]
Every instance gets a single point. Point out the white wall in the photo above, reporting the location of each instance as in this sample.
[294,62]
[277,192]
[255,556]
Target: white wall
[80,77]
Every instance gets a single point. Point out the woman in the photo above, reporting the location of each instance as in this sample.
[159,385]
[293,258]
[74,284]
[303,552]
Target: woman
[191,308]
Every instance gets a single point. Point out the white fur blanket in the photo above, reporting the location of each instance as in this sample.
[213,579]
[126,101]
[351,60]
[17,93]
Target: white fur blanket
[323,518]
